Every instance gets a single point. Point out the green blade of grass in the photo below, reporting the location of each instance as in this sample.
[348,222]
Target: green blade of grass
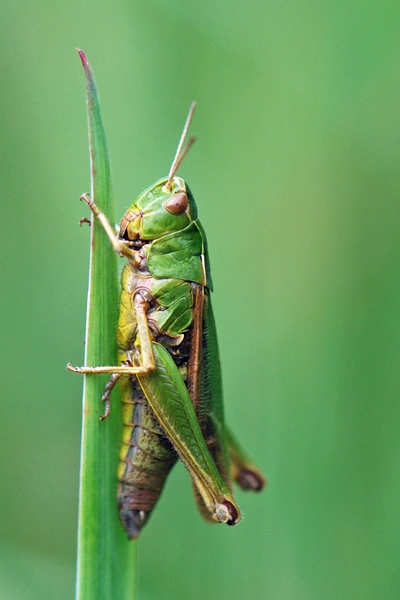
[105,567]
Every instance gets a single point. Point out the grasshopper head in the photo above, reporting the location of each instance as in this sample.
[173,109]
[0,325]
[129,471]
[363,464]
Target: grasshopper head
[166,207]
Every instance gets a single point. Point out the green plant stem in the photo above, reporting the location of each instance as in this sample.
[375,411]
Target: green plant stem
[105,563]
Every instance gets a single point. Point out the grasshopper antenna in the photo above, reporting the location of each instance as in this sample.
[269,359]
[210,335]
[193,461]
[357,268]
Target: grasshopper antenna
[179,156]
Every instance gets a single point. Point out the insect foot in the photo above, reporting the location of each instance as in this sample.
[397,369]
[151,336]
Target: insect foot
[86,198]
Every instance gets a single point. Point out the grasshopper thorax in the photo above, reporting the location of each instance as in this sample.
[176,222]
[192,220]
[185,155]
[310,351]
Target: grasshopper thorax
[158,211]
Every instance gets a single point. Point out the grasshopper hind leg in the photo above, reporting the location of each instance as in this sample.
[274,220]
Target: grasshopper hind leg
[243,470]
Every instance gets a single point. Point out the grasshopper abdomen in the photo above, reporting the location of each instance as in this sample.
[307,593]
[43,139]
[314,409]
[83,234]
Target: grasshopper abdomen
[146,458]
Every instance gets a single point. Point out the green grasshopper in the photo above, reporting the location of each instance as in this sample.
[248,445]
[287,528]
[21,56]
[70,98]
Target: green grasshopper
[169,362]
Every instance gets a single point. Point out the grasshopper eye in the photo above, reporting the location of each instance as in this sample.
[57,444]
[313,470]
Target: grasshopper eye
[177,204]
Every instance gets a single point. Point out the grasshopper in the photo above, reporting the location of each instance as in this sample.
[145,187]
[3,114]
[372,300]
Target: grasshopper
[169,368]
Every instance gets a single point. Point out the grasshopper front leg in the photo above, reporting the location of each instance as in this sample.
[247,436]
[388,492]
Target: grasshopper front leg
[141,307]
[118,245]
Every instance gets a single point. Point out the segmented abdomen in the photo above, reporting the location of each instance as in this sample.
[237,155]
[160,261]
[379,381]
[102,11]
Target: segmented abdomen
[146,458]
[147,455]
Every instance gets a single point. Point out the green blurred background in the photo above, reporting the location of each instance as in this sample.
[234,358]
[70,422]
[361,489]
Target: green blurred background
[296,175]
